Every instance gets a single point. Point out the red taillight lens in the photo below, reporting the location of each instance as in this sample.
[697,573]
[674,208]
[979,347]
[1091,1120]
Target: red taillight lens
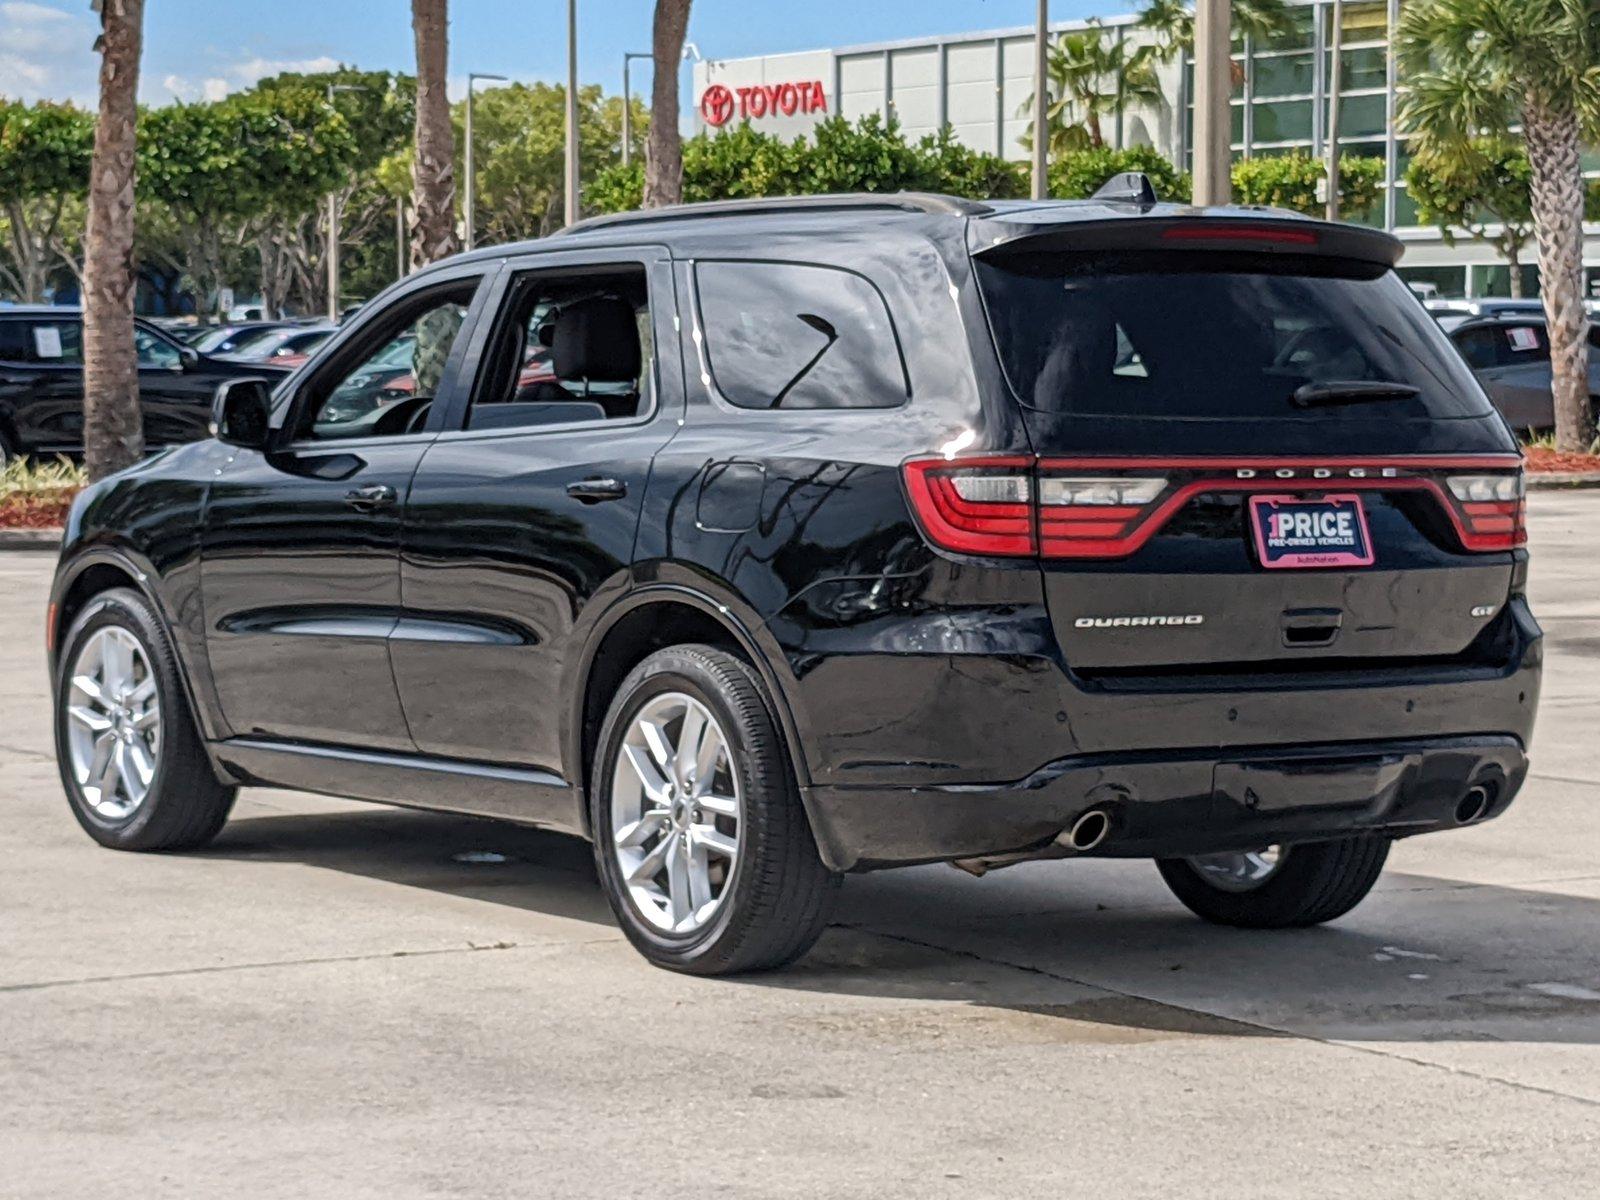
[1490,510]
[975,506]
[1018,506]
[1230,231]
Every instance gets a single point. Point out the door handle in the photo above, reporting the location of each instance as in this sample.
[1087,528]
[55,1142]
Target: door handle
[593,491]
[371,498]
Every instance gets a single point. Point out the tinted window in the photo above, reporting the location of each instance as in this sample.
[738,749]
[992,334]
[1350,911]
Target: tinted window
[781,335]
[1206,335]
[1526,343]
[568,346]
[155,352]
[1480,347]
[14,345]
[43,341]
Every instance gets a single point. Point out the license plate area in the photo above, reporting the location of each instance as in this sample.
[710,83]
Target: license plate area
[1298,532]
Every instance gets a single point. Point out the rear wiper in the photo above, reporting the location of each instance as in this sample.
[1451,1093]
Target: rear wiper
[1322,393]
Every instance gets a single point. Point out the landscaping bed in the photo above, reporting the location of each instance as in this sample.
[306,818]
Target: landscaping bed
[1542,460]
[36,495]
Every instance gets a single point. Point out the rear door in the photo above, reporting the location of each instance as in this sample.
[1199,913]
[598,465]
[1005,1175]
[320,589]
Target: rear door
[1248,461]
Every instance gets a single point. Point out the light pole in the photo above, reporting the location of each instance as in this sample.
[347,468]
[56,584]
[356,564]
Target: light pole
[472,174]
[1335,83]
[571,189]
[1041,103]
[1213,81]
[333,220]
[627,106]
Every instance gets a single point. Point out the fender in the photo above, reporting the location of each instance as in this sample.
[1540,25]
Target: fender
[673,582]
[196,684]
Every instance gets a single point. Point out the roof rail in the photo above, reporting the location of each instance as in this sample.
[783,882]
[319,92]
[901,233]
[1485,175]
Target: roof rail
[923,202]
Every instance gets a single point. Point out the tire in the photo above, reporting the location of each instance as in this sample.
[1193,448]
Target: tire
[183,804]
[758,910]
[1311,883]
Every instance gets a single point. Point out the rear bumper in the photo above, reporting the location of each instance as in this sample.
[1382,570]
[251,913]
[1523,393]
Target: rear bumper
[1180,803]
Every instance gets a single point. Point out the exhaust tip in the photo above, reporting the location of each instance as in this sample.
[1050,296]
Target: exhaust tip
[1088,831]
[1474,806]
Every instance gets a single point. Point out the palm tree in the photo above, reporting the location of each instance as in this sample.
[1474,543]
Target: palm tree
[433,167]
[113,433]
[1474,67]
[1172,21]
[663,155]
[1092,75]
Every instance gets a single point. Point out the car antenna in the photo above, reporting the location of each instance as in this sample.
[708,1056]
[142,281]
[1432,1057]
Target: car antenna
[1130,187]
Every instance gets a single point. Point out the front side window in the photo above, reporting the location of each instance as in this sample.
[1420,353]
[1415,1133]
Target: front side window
[568,346]
[787,335]
[155,353]
[1216,336]
[393,372]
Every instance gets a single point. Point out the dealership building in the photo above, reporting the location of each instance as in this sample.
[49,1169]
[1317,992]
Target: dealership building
[980,83]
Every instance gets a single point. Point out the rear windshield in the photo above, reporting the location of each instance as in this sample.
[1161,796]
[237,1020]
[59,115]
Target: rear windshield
[1216,336]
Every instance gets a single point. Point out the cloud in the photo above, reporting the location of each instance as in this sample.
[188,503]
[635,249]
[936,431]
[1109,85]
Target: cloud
[243,73]
[47,52]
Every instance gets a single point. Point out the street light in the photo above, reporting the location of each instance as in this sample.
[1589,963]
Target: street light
[472,174]
[627,106]
[1041,102]
[333,218]
[1213,83]
[570,190]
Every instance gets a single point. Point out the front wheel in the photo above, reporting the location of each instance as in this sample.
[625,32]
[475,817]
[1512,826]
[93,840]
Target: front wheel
[131,759]
[700,838]
[1278,887]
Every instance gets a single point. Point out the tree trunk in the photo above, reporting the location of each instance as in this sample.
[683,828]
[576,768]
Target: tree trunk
[1552,138]
[1514,264]
[433,170]
[663,151]
[113,433]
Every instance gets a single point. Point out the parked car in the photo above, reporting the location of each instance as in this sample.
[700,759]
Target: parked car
[288,346]
[1510,355]
[234,337]
[852,532]
[41,383]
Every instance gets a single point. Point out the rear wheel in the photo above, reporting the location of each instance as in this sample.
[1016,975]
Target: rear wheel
[130,757]
[1278,887]
[700,838]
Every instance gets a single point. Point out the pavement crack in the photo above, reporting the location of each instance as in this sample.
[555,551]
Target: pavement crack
[469,948]
[7,748]
[1563,779]
[1256,1027]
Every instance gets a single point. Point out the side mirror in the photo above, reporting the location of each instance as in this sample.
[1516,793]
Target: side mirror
[241,412]
[188,358]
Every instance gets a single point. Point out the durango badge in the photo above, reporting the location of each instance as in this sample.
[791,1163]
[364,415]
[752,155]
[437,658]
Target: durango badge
[1128,622]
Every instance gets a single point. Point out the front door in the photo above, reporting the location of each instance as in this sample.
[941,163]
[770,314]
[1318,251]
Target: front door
[526,511]
[300,565]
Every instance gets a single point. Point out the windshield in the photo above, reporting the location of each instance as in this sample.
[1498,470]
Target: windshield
[1216,336]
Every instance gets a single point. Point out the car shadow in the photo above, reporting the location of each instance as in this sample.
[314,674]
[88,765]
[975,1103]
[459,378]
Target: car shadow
[1097,945]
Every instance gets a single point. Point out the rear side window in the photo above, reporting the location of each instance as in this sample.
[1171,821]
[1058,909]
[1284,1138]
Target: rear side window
[787,335]
[1215,336]
[1526,343]
[1480,346]
[41,341]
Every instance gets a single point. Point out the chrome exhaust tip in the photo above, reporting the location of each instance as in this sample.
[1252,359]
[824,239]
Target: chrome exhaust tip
[1474,806]
[1087,832]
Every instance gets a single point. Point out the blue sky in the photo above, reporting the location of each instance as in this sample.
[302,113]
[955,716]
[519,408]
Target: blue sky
[195,48]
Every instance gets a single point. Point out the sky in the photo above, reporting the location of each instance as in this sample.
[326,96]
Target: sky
[197,49]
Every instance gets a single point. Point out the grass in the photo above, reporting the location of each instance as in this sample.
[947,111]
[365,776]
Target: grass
[36,495]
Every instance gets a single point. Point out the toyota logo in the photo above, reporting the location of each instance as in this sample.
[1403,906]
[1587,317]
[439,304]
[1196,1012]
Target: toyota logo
[716,105]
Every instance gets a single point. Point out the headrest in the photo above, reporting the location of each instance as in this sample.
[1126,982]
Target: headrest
[596,339]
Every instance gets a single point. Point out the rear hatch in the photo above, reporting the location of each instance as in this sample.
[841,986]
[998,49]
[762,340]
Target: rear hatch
[1252,451]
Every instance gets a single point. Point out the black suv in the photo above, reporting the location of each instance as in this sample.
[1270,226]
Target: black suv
[767,541]
[41,382]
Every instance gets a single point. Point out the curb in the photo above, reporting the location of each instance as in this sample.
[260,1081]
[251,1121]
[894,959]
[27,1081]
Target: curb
[1562,481]
[30,539]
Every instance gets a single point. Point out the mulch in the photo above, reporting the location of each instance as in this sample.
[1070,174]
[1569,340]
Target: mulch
[1543,461]
[35,512]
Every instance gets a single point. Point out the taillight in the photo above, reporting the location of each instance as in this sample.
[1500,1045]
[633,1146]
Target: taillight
[1491,512]
[1086,516]
[1017,506]
[975,506]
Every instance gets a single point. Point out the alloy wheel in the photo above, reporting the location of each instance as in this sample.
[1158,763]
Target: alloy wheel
[676,811]
[113,715]
[1240,871]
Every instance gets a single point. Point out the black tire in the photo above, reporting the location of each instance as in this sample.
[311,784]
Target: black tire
[779,895]
[1313,883]
[186,804]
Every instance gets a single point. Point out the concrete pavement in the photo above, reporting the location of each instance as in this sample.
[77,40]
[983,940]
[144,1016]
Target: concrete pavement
[333,1001]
